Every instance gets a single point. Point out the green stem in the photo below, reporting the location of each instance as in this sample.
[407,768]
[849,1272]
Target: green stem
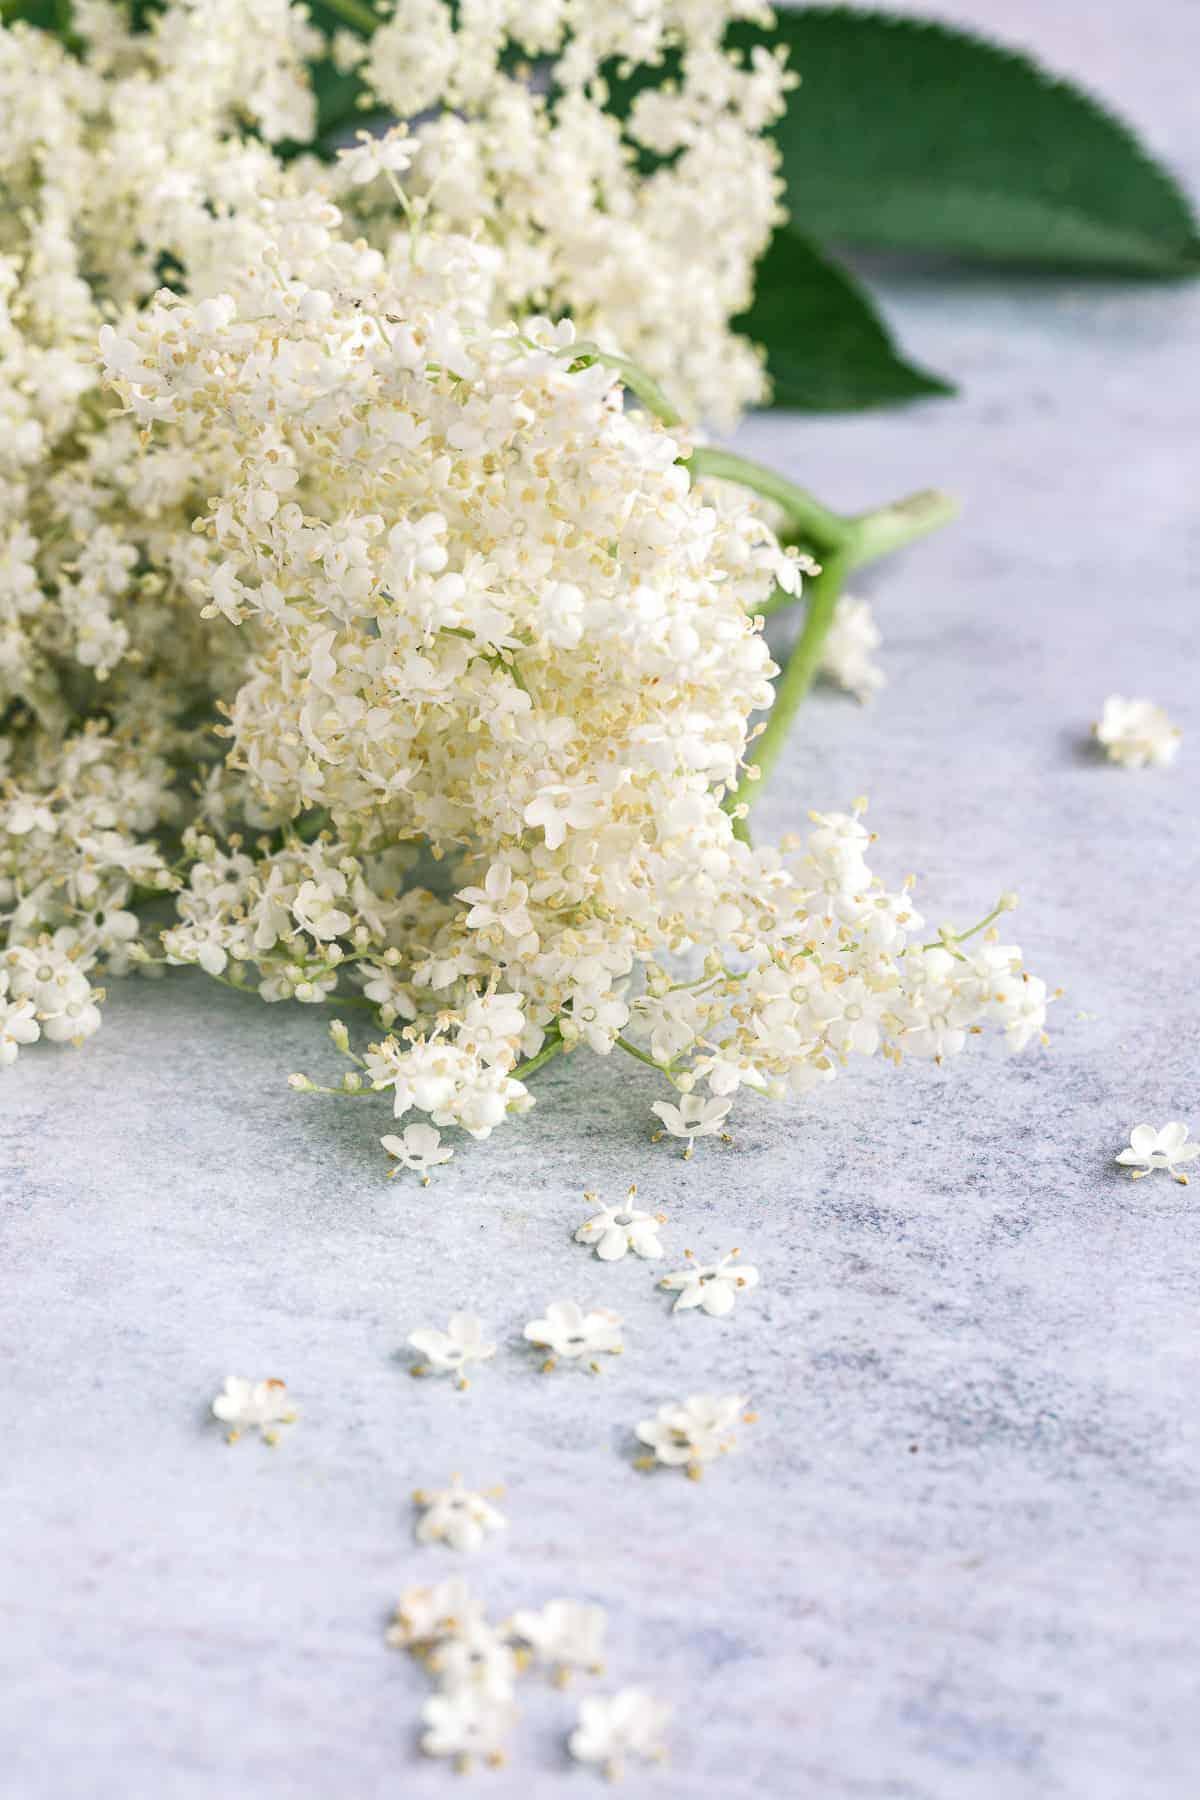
[802,665]
[825,530]
[361,17]
[550,1048]
[642,1057]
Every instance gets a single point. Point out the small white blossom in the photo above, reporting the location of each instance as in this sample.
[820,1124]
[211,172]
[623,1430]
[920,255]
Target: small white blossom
[693,1118]
[570,1333]
[424,1616]
[565,1635]
[418,1147]
[448,1352]
[465,1723]
[456,1516]
[480,1659]
[1167,1148]
[18,1024]
[616,1229]
[846,655]
[391,154]
[689,1433]
[249,1405]
[614,1728]
[1136,733]
[714,1286]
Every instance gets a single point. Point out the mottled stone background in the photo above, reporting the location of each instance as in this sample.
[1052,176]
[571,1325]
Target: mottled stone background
[959,1556]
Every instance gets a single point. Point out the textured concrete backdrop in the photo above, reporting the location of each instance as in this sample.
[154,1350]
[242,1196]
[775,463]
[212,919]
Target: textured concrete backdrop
[958,1557]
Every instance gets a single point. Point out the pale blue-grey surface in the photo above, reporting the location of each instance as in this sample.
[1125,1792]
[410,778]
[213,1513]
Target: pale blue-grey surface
[959,1555]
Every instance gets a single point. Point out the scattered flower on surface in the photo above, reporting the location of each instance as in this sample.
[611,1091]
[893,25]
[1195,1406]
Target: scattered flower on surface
[418,1147]
[689,1433]
[456,1516]
[846,657]
[615,1728]
[448,1352]
[1166,1148]
[714,1286]
[615,1229]
[424,1616]
[253,1405]
[693,1118]
[565,1635]
[478,1658]
[571,1334]
[1136,733]
[465,1723]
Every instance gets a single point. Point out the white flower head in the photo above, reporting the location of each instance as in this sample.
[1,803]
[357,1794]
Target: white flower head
[714,1286]
[565,1635]
[570,1334]
[456,1516]
[616,1229]
[448,1352]
[689,1433]
[1167,1148]
[418,1147]
[614,1728]
[465,1723]
[392,154]
[425,1616]
[693,1118]
[1136,733]
[253,1405]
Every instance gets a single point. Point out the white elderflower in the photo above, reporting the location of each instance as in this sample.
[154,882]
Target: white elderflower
[846,656]
[565,1635]
[1166,1148]
[1136,733]
[456,1516]
[465,1724]
[18,1024]
[480,1659]
[392,154]
[571,1334]
[689,1433]
[614,1728]
[693,1118]
[253,1405]
[714,1286]
[448,1352]
[418,1147]
[616,1229]
[424,1616]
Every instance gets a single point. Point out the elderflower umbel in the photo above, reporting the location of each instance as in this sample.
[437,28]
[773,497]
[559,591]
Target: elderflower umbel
[1136,733]
[448,1352]
[689,1433]
[253,1405]
[570,1334]
[564,1635]
[1165,1148]
[616,1229]
[456,1516]
[614,1728]
[714,1286]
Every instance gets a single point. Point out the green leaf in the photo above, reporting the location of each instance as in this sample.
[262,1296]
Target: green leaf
[827,348]
[911,135]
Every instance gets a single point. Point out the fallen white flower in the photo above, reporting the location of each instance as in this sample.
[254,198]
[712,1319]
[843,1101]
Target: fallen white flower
[479,1660]
[447,1352]
[714,1286]
[692,1432]
[466,1723]
[614,1727]
[568,1332]
[846,656]
[456,1516]
[616,1229]
[253,1405]
[1149,1149]
[418,1147]
[565,1635]
[425,1616]
[1136,733]
[693,1118]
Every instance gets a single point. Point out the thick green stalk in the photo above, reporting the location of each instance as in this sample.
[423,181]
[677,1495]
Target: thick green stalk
[356,13]
[807,518]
